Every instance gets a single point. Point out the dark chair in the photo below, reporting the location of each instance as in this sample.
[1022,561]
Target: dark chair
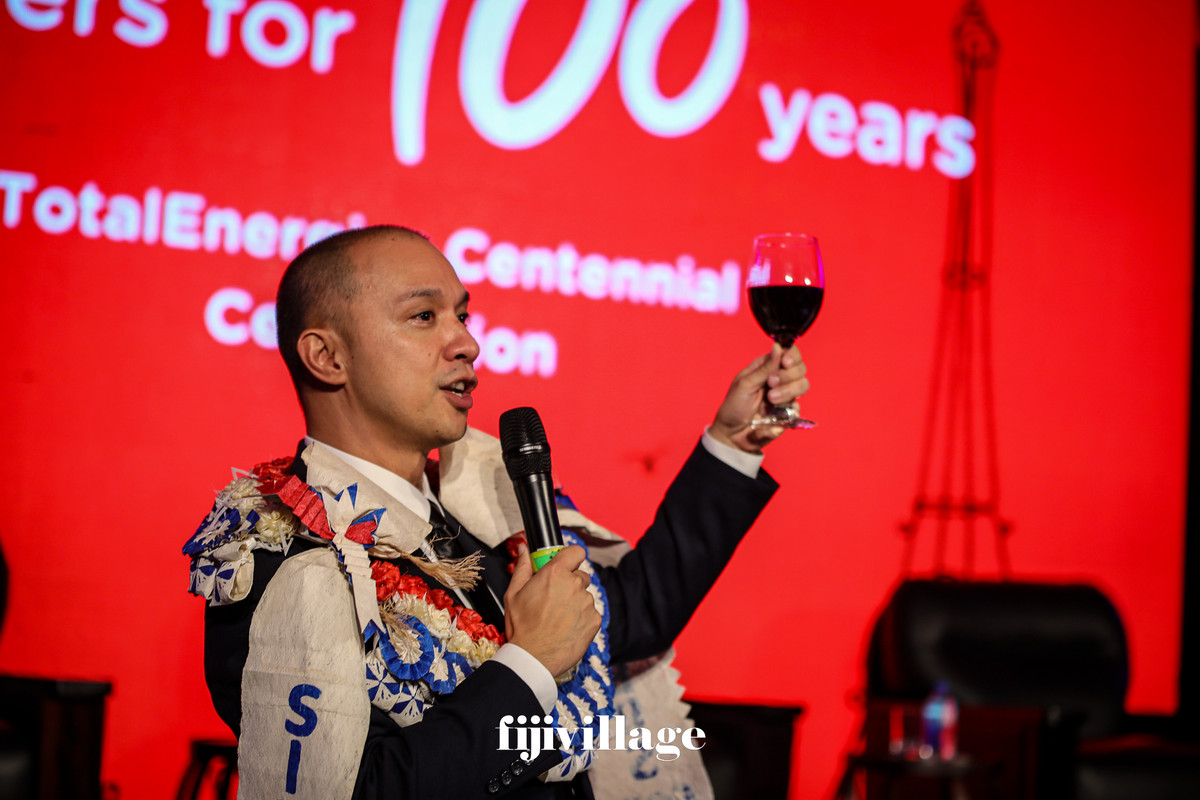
[51,732]
[51,737]
[1053,655]
[211,773]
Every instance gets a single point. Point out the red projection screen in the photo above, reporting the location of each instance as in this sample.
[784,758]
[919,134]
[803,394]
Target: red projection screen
[596,171]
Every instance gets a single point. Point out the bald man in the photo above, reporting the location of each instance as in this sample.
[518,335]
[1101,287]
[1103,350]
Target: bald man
[374,630]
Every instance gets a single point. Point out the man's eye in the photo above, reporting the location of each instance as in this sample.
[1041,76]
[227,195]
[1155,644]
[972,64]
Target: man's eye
[425,316]
[463,317]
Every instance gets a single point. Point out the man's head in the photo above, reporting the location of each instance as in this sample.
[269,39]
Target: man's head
[317,289]
[371,327]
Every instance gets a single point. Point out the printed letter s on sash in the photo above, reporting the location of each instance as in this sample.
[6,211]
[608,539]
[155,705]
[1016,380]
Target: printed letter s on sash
[309,717]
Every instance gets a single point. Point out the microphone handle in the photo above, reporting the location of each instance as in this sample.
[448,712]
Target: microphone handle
[535,496]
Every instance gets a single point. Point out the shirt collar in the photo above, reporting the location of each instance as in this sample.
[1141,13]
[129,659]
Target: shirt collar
[411,497]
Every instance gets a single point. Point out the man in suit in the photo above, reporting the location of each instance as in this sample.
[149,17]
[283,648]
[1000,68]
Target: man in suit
[372,330]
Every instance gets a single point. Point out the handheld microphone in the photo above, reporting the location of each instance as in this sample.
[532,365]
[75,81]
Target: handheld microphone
[526,456]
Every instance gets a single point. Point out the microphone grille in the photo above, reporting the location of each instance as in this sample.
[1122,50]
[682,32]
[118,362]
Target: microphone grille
[523,441]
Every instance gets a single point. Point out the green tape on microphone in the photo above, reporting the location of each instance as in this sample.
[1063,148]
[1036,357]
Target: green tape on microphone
[541,556]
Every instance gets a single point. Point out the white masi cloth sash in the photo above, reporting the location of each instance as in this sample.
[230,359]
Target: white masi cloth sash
[304,710]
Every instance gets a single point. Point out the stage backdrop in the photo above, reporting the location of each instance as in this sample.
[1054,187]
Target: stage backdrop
[596,171]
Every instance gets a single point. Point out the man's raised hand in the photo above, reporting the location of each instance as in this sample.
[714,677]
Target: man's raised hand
[777,378]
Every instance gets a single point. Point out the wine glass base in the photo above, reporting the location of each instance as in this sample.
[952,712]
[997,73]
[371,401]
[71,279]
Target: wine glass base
[799,422]
[787,417]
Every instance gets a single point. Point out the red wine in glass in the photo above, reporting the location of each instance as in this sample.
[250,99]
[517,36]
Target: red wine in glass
[786,286]
[785,312]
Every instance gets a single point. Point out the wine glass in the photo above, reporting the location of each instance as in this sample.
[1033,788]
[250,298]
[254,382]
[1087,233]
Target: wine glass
[786,286]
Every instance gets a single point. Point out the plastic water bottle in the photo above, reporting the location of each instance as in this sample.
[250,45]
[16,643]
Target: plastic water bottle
[939,723]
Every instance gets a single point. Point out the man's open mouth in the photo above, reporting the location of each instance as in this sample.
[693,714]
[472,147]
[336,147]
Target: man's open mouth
[462,387]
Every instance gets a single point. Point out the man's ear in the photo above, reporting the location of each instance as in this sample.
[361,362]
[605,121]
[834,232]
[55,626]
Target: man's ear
[322,352]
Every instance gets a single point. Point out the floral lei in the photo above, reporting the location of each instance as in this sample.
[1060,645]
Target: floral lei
[428,644]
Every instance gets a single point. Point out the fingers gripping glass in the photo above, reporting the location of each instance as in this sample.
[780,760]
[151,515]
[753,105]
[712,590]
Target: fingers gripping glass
[785,287]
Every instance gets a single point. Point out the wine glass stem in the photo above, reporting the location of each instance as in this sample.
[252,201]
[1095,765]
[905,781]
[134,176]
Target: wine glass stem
[785,416]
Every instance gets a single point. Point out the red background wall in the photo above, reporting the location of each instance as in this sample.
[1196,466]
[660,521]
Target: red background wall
[124,414]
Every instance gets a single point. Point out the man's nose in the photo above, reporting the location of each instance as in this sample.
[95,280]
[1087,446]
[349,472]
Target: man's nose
[463,345]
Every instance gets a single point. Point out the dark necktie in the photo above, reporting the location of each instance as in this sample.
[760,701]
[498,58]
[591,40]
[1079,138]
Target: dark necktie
[444,539]
[447,543]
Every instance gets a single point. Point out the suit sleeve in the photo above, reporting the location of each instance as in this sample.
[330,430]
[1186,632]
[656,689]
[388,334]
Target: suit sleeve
[654,590]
